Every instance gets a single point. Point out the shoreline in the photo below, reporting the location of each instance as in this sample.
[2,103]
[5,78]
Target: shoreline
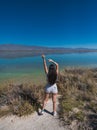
[37,77]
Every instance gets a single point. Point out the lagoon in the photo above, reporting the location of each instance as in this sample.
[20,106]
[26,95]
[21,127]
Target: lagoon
[28,69]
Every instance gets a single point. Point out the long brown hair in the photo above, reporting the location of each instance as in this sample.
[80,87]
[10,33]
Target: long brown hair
[52,74]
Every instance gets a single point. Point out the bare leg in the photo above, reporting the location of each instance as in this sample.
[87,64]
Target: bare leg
[45,100]
[54,96]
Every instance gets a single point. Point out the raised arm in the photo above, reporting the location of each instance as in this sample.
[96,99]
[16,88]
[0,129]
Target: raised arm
[45,65]
[57,66]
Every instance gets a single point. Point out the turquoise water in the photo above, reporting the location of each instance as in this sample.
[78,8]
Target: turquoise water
[32,67]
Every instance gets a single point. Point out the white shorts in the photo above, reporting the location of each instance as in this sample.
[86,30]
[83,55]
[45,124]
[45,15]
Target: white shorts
[51,88]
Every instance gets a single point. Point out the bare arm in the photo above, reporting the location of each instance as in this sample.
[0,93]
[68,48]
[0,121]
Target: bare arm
[57,66]
[45,65]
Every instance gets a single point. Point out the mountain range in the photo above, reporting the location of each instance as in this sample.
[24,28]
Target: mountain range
[15,50]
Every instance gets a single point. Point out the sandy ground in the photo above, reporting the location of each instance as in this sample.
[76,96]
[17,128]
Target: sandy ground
[33,122]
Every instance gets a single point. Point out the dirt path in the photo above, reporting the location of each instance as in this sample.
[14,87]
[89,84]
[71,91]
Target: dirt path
[33,122]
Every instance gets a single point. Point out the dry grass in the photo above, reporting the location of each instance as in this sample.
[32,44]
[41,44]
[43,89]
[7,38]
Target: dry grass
[78,88]
[21,99]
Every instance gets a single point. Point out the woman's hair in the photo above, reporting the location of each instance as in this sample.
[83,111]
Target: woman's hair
[52,74]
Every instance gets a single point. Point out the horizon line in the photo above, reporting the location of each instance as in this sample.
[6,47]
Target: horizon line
[62,46]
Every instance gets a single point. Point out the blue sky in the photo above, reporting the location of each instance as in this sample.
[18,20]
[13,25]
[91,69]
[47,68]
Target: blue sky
[67,23]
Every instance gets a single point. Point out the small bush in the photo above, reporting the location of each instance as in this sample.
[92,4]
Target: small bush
[24,109]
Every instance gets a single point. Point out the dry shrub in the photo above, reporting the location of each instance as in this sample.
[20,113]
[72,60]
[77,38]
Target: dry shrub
[78,87]
[22,99]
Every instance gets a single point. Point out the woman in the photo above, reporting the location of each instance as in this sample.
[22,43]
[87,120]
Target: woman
[51,86]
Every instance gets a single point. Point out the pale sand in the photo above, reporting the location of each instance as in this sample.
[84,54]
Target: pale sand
[33,122]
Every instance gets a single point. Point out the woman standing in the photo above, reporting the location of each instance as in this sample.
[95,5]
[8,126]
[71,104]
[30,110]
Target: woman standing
[51,87]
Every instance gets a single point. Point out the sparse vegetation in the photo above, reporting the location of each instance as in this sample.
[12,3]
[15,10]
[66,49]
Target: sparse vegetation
[78,88]
[78,101]
[20,99]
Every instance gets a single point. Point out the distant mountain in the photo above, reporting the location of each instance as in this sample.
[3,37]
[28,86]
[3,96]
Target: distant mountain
[14,50]
[12,47]
[18,47]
